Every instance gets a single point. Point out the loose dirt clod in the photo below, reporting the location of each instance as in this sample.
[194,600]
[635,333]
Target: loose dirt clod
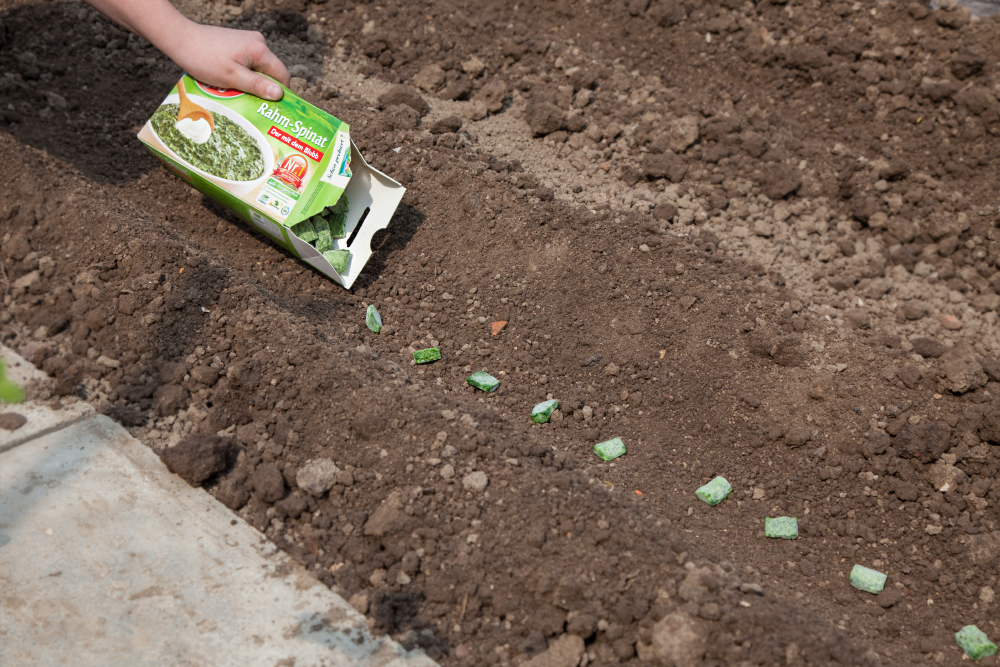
[198,458]
[11,421]
[677,639]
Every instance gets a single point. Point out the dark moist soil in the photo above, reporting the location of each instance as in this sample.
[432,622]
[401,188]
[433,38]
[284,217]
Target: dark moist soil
[137,294]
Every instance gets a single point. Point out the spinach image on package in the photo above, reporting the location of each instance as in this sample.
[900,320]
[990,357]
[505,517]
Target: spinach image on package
[287,168]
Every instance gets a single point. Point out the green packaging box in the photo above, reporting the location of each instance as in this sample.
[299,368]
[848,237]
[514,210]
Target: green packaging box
[275,165]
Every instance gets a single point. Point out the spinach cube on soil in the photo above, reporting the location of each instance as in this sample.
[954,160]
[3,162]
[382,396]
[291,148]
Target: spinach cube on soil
[975,643]
[867,579]
[610,449]
[543,411]
[484,381]
[338,259]
[372,319]
[715,491]
[427,356]
[785,527]
[305,231]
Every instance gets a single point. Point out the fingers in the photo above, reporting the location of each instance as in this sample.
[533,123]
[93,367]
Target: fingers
[252,82]
[266,62]
[236,59]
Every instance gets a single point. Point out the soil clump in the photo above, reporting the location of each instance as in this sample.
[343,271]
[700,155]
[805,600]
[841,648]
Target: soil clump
[758,242]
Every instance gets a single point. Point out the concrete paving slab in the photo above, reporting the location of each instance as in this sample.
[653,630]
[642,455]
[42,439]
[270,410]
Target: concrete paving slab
[20,370]
[40,419]
[108,559]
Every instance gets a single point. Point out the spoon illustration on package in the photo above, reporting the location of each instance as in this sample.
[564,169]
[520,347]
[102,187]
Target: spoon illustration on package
[193,121]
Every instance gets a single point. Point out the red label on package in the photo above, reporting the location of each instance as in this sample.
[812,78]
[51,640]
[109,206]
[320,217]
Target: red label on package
[218,92]
[289,140]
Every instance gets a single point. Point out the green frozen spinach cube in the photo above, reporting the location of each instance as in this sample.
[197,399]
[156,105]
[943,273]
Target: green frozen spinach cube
[427,356]
[338,259]
[975,643]
[715,491]
[610,449]
[305,231]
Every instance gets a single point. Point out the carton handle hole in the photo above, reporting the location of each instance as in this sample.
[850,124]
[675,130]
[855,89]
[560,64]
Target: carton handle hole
[357,227]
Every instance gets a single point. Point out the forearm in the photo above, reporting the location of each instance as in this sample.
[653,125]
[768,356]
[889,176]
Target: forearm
[218,56]
[157,21]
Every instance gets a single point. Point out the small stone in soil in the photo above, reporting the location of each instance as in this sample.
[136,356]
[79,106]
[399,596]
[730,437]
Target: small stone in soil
[610,449]
[866,579]
[541,412]
[372,319]
[427,356]
[715,491]
[317,476]
[475,481]
[975,643]
[785,527]
[951,322]
[484,381]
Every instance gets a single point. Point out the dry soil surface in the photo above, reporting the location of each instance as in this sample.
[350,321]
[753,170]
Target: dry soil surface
[752,240]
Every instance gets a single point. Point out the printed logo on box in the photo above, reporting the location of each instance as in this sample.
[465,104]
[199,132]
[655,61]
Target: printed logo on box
[221,93]
[292,170]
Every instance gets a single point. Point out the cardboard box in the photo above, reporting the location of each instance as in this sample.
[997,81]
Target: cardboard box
[275,165]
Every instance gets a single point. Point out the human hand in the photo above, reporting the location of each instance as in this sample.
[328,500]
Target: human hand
[220,57]
[228,58]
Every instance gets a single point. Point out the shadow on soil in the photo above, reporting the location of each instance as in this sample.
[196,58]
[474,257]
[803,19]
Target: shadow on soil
[403,225]
[78,87]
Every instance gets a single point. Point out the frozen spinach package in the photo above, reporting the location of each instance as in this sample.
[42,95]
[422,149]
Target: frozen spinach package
[287,168]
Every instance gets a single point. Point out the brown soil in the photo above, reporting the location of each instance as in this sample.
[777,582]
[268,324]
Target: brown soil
[757,241]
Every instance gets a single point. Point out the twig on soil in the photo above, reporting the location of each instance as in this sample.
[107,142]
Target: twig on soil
[781,249]
[6,282]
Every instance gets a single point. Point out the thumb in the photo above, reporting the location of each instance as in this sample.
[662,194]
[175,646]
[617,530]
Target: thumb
[250,82]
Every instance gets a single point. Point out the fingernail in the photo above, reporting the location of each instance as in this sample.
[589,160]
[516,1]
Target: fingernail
[274,91]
